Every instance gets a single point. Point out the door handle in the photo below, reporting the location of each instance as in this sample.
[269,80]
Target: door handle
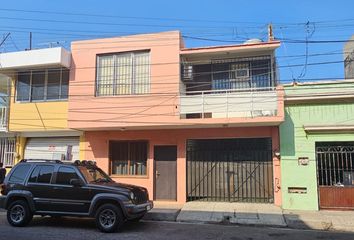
[157,173]
[57,188]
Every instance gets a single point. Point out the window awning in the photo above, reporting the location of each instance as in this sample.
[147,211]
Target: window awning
[328,128]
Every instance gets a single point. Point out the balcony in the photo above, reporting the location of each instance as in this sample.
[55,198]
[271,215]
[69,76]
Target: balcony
[48,57]
[3,118]
[234,87]
[244,103]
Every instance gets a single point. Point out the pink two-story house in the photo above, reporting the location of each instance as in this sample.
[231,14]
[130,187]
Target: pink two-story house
[186,123]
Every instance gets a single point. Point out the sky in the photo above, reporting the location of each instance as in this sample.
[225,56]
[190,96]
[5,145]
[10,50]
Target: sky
[204,23]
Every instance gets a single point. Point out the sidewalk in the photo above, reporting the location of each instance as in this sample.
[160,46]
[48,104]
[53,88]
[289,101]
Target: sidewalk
[323,220]
[253,214]
[237,213]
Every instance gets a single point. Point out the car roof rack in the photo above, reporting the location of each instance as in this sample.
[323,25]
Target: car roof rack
[85,162]
[41,160]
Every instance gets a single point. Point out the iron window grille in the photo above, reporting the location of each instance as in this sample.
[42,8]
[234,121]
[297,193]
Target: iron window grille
[7,151]
[123,74]
[335,164]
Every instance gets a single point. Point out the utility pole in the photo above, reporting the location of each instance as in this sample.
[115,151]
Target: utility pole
[270,32]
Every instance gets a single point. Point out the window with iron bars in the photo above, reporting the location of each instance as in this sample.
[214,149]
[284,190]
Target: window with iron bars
[335,163]
[123,74]
[7,151]
[243,74]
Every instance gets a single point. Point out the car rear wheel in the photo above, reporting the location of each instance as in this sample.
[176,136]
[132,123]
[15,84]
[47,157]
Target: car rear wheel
[19,214]
[109,218]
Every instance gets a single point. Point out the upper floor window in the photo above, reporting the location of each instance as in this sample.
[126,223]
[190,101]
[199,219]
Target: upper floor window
[123,73]
[42,85]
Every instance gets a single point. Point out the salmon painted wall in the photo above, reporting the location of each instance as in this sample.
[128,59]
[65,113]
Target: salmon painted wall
[159,108]
[96,147]
[88,111]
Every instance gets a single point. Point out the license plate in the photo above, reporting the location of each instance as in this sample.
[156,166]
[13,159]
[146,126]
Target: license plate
[148,207]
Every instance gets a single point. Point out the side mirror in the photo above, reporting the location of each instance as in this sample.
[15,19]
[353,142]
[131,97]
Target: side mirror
[75,182]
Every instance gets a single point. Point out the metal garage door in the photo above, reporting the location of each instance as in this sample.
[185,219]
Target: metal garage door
[233,170]
[59,148]
[335,173]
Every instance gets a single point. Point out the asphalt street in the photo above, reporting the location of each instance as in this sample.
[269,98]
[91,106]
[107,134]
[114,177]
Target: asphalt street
[78,228]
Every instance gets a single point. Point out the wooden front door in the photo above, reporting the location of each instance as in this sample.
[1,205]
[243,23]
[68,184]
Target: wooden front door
[165,172]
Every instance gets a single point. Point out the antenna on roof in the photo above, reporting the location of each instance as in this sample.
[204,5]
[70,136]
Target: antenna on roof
[52,44]
[30,46]
[30,42]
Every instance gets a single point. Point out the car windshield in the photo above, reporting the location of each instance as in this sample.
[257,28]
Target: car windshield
[94,174]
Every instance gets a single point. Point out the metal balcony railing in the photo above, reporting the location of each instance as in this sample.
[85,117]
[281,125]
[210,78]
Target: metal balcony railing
[255,102]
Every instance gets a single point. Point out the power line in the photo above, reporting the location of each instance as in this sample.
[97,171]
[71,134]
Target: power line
[111,23]
[25,72]
[221,91]
[4,39]
[126,17]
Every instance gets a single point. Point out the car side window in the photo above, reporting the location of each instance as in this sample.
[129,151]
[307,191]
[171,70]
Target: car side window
[19,174]
[34,175]
[65,174]
[42,174]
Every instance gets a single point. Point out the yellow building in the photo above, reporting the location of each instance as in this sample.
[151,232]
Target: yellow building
[34,89]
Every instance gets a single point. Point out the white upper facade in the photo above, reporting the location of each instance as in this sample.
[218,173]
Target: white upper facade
[47,57]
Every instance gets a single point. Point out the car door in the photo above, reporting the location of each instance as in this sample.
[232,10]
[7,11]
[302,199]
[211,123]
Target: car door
[39,184]
[67,197]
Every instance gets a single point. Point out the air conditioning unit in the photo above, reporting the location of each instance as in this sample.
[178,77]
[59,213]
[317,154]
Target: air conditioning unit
[239,71]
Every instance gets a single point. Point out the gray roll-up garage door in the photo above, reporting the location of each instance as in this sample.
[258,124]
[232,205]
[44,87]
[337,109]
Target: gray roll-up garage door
[54,148]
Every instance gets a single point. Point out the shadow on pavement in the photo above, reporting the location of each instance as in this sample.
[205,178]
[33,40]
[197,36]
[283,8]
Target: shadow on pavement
[77,223]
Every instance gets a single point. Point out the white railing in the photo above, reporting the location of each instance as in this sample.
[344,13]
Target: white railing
[3,118]
[230,103]
[7,151]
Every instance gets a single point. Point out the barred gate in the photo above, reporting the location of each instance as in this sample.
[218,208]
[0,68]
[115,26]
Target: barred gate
[7,151]
[335,175]
[230,170]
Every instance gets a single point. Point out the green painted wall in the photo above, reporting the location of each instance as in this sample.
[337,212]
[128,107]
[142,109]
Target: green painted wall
[295,142]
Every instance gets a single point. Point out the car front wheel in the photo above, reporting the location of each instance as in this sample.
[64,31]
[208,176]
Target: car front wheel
[109,218]
[19,214]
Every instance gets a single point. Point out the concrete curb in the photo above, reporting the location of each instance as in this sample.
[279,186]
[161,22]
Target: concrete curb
[159,214]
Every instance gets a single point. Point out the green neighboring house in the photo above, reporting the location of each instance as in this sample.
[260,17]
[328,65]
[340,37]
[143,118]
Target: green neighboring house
[317,146]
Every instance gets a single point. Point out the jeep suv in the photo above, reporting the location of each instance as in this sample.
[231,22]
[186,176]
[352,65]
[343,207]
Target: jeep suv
[55,188]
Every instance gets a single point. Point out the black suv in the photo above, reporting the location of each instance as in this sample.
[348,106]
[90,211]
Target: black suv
[55,188]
